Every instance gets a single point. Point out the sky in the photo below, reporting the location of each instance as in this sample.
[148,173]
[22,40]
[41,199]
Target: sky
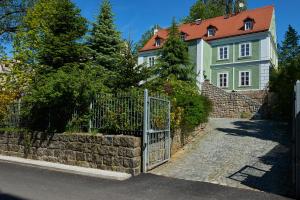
[134,17]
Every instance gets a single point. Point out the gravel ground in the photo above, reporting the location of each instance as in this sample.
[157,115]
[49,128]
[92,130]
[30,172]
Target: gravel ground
[238,153]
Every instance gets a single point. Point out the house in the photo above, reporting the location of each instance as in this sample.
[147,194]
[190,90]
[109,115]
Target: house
[234,52]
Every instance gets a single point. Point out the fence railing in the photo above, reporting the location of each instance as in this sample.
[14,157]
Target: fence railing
[13,119]
[121,113]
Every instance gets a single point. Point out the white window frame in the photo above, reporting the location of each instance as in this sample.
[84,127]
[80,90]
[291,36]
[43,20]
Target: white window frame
[151,61]
[211,32]
[240,78]
[248,25]
[240,49]
[219,81]
[219,53]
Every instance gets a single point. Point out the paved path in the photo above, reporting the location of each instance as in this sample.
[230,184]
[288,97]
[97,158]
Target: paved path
[19,182]
[238,153]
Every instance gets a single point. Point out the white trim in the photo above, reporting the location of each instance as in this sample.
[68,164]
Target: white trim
[239,39]
[213,32]
[202,62]
[244,62]
[227,79]
[250,49]
[223,47]
[240,80]
[233,78]
[251,25]
[198,63]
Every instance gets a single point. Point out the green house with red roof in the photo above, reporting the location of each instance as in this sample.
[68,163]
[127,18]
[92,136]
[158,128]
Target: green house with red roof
[233,52]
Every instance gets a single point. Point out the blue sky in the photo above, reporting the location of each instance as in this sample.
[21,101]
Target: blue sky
[134,17]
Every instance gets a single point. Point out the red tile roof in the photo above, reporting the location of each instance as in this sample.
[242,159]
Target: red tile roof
[226,27]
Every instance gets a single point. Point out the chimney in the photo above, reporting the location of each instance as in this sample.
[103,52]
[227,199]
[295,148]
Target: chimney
[198,21]
[155,31]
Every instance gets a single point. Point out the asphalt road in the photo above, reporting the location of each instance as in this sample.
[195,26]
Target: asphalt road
[18,182]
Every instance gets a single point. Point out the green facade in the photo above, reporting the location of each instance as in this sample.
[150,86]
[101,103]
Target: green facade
[192,48]
[234,51]
[234,76]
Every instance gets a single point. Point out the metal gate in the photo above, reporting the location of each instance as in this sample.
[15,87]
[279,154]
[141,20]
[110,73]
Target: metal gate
[156,131]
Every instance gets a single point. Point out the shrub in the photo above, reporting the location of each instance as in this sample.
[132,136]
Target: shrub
[189,108]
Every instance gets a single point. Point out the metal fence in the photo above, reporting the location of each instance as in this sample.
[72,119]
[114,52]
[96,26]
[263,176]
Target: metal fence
[118,113]
[13,119]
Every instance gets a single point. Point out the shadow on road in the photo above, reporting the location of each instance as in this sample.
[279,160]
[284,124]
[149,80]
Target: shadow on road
[273,171]
[9,197]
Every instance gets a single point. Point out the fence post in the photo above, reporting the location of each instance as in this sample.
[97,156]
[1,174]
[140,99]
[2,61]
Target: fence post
[90,118]
[296,139]
[145,131]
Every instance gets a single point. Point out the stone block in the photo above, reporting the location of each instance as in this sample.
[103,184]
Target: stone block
[107,141]
[80,156]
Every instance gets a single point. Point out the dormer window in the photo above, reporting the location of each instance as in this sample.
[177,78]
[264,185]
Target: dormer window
[248,24]
[157,42]
[183,36]
[211,31]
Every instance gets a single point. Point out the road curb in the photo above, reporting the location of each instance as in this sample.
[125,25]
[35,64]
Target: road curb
[97,173]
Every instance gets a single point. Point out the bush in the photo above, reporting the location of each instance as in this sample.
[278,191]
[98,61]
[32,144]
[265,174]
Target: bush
[189,107]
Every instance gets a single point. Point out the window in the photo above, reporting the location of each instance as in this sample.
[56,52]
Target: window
[223,80]
[151,61]
[157,42]
[223,53]
[245,49]
[211,32]
[183,36]
[248,25]
[245,79]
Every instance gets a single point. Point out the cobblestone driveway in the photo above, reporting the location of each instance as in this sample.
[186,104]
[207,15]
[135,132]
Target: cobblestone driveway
[238,153]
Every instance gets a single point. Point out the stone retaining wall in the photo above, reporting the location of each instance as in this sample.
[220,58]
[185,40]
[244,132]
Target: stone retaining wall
[231,104]
[180,139]
[116,153]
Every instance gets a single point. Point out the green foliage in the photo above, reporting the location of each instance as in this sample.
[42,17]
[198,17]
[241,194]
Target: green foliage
[283,79]
[290,47]
[55,96]
[129,73]
[212,8]
[189,109]
[105,41]
[49,40]
[12,12]
[174,57]
[49,35]
[282,82]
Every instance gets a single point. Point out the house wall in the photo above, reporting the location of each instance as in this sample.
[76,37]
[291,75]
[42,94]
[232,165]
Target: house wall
[192,48]
[234,79]
[144,57]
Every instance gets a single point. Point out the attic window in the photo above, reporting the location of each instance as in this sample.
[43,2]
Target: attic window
[157,42]
[211,32]
[248,25]
[183,36]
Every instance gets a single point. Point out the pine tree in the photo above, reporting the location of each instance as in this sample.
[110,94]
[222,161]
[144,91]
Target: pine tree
[290,46]
[174,56]
[105,41]
[130,74]
[49,42]
[49,35]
